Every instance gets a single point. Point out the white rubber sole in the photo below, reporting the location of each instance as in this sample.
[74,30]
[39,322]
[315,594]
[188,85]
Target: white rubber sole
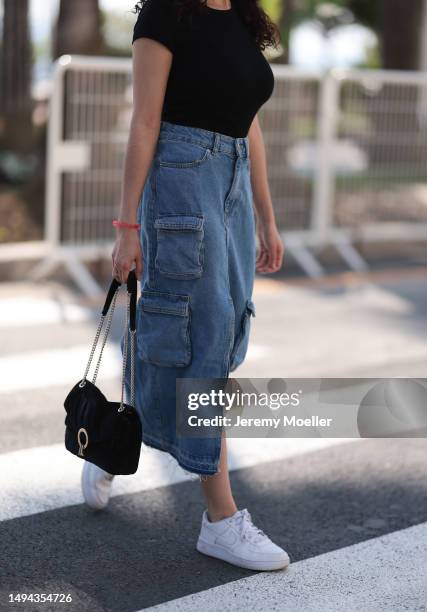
[218,552]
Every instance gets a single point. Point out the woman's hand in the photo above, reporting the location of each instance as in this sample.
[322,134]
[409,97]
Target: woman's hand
[270,255]
[127,250]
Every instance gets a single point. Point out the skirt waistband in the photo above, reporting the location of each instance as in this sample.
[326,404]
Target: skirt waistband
[216,141]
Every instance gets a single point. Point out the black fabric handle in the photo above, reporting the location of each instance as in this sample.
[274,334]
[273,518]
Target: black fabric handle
[111,291]
[132,288]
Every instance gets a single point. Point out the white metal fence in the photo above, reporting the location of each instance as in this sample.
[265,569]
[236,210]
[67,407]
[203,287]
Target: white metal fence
[383,117]
[346,153]
[89,119]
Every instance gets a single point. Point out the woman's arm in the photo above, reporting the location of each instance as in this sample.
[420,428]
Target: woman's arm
[270,254]
[151,66]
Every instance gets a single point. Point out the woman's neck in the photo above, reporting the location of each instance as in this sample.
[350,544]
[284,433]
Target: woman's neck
[220,5]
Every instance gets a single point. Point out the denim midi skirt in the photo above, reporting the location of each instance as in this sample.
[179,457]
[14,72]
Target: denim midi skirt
[193,314]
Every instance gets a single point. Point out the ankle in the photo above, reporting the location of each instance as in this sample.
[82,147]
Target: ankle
[219,514]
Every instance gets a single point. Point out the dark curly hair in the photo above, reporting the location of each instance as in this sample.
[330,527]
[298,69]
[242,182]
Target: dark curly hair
[263,30]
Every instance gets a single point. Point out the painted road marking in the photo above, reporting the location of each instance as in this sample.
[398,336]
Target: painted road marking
[25,312]
[48,477]
[53,367]
[380,574]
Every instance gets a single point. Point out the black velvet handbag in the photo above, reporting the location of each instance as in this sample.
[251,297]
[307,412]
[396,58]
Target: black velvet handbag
[106,433]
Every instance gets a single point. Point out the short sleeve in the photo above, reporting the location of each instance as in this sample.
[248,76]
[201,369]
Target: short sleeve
[157,20]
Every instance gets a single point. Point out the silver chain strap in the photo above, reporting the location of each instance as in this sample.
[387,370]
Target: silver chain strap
[125,351]
[107,331]
[132,359]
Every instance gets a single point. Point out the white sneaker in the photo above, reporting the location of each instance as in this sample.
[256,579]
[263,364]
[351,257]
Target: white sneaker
[237,541]
[96,486]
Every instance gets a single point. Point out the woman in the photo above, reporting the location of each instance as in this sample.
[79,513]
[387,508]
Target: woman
[199,79]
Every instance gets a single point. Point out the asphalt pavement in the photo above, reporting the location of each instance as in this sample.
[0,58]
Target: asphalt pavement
[351,513]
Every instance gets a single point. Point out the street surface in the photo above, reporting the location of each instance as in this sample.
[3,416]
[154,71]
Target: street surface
[352,514]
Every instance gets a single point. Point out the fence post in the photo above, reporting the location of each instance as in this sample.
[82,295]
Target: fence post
[61,156]
[53,178]
[324,184]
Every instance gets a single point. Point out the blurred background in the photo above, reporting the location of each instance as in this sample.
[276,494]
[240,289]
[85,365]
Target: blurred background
[345,133]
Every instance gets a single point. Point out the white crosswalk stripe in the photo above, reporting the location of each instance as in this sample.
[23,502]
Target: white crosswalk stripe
[54,367]
[379,575]
[28,312]
[45,478]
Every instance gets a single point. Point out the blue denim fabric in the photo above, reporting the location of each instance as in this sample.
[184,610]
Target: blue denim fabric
[193,315]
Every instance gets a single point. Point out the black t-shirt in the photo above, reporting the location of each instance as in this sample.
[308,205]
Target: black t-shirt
[219,78]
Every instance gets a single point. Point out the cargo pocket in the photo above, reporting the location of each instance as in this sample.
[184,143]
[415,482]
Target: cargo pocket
[241,345]
[179,246]
[163,333]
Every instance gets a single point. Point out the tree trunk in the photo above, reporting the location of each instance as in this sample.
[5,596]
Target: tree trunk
[284,25]
[402,33]
[78,29]
[15,76]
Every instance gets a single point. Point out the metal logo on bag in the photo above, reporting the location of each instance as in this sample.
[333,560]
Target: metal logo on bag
[82,445]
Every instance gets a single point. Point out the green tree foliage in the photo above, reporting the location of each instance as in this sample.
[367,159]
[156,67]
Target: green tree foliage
[367,12]
[397,23]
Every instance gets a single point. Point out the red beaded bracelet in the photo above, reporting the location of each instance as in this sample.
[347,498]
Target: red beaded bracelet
[118,223]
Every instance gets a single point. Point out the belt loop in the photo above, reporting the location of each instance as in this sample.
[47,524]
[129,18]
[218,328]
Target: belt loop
[237,146]
[216,143]
[246,147]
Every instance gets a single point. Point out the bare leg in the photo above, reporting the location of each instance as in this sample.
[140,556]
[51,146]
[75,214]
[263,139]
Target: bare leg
[242,543]
[217,490]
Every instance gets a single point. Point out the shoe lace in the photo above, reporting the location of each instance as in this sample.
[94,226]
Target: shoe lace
[247,530]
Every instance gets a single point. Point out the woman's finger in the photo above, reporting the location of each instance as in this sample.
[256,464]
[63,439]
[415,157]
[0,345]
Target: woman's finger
[139,267]
[264,263]
[262,257]
[118,273]
[278,257]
